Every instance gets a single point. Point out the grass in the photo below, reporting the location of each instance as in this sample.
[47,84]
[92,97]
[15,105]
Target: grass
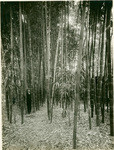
[37,133]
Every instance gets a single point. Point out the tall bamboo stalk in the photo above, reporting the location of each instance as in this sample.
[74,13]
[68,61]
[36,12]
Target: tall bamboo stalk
[62,102]
[47,19]
[25,61]
[88,71]
[54,74]
[43,52]
[110,74]
[31,60]
[76,102]
[21,64]
[101,72]
[11,90]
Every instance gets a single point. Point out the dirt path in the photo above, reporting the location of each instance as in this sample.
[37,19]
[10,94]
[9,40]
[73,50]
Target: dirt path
[37,133]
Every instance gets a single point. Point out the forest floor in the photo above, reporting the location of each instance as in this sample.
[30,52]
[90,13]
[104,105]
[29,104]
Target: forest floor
[37,133]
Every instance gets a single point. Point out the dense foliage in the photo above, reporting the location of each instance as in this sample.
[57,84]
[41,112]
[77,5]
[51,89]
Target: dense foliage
[62,53]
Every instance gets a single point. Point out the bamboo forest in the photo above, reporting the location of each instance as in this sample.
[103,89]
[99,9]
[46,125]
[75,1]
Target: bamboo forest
[57,75]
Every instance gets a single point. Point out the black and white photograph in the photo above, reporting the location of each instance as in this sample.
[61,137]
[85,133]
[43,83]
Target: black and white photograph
[57,75]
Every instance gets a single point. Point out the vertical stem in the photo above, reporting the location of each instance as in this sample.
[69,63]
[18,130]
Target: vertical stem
[62,55]
[48,57]
[88,77]
[98,85]
[55,64]
[25,62]
[11,92]
[76,102]
[110,75]
[43,52]
[21,63]
[101,72]
[31,60]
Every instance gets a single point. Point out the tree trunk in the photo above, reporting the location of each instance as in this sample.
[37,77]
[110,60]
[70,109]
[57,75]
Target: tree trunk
[62,102]
[102,92]
[11,90]
[39,78]
[89,56]
[21,64]
[25,63]
[31,60]
[98,90]
[48,59]
[103,99]
[110,75]
[76,102]
[7,103]
[93,72]
[54,74]
[43,54]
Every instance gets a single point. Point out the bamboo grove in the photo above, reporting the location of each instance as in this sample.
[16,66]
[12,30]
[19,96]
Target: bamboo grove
[62,52]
